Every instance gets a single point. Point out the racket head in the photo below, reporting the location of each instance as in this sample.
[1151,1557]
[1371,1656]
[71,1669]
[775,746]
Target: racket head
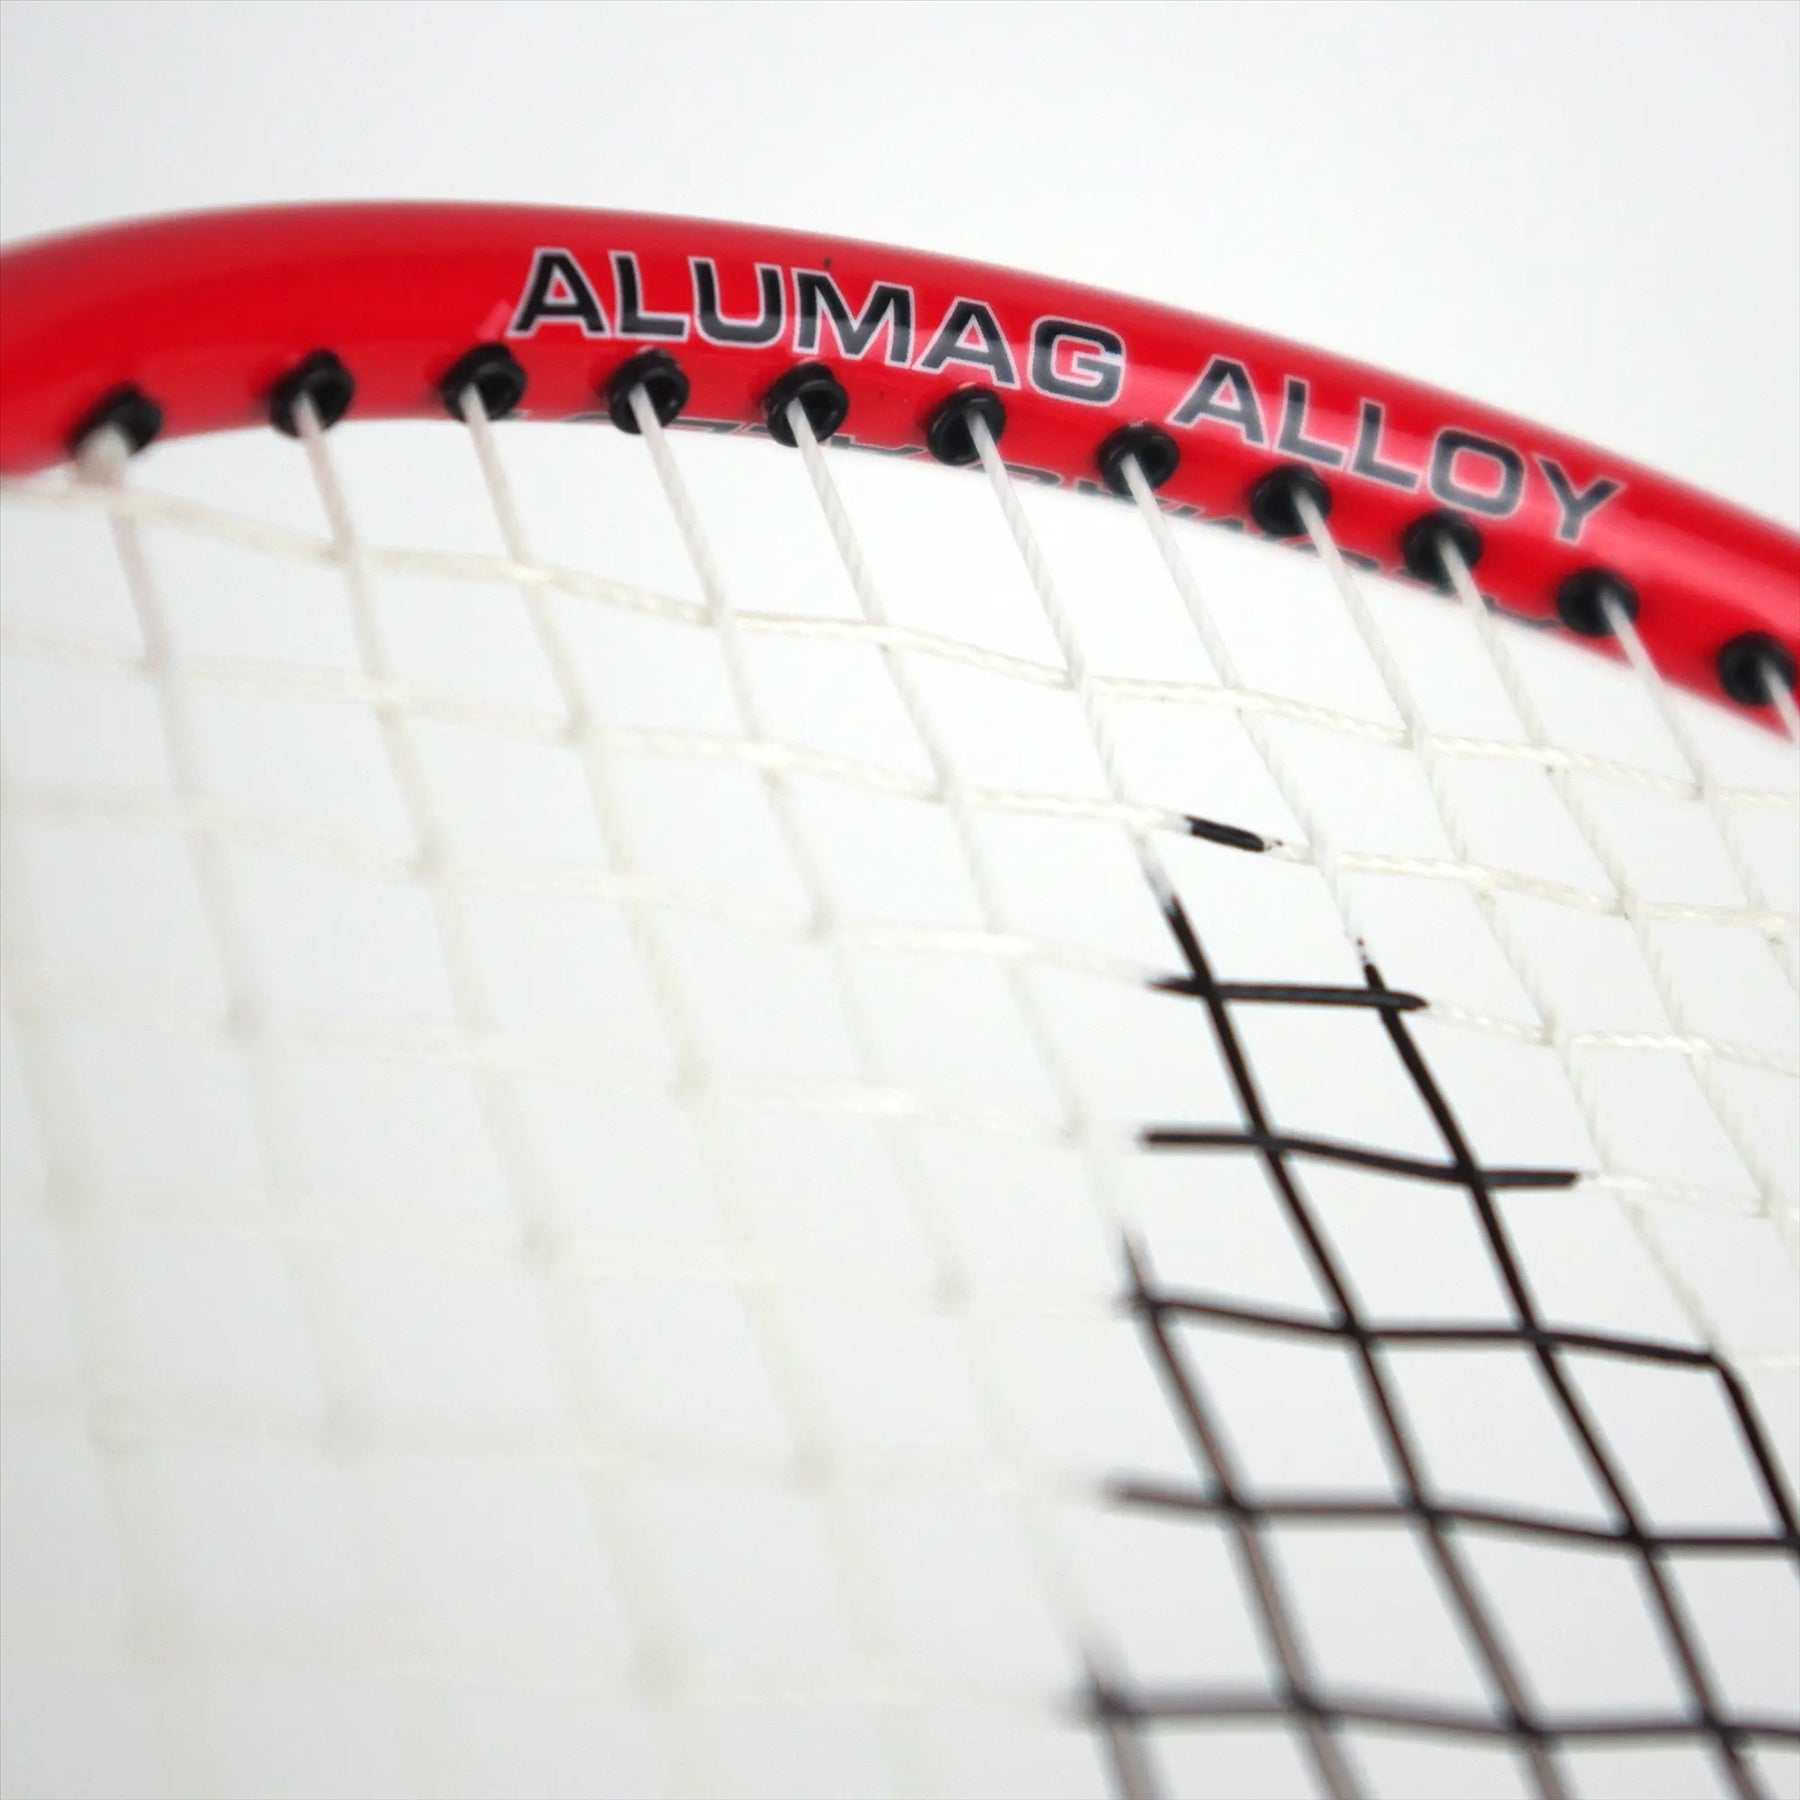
[1241,1282]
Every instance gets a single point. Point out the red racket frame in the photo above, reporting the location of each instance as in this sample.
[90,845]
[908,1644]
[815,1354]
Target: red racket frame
[204,314]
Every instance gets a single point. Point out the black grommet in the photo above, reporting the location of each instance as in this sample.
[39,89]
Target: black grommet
[660,376]
[493,372]
[1157,454]
[821,396]
[1422,546]
[129,411]
[947,435]
[1751,664]
[320,378]
[1273,500]
[1585,599]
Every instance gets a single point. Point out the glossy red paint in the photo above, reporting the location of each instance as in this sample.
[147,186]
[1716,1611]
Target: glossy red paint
[205,313]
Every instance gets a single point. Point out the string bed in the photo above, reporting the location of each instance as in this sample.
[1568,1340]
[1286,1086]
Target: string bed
[938,1137]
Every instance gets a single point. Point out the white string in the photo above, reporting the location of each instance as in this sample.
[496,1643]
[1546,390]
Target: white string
[234,822]
[1786,707]
[819,1461]
[215,524]
[828,928]
[248,1024]
[1784,948]
[1279,1608]
[611,1459]
[614,1511]
[105,1403]
[926,1206]
[166,1634]
[1555,1032]
[1784,1215]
